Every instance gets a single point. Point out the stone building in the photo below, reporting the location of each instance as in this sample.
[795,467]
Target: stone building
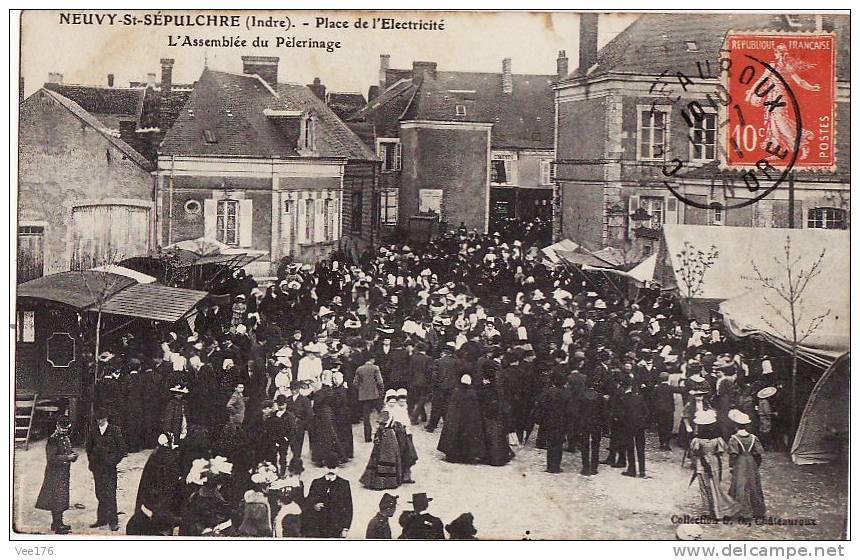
[85,196]
[261,165]
[609,185]
[467,146]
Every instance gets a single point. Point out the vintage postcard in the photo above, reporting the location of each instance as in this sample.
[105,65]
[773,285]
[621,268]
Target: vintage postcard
[432,275]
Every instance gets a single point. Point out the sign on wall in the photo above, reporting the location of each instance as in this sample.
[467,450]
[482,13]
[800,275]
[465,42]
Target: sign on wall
[430,200]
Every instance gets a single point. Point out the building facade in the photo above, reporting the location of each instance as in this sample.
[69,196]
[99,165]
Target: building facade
[261,166]
[466,146]
[85,197]
[614,130]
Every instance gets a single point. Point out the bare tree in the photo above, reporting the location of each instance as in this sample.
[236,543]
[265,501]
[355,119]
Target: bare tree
[789,306]
[100,285]
[691,264]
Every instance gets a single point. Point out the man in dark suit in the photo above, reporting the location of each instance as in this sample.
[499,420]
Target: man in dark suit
[419,378]
[551,414]
[663,398]
[105,449]
[633,421]
[593,419]
[368,380]
[420,525]
[302,410]
[329,505]
[398,366]
[448,371]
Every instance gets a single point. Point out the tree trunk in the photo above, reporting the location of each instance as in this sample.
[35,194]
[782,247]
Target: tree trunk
[793,395]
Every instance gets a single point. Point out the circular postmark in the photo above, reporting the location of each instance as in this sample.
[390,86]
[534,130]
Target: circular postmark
[743,131]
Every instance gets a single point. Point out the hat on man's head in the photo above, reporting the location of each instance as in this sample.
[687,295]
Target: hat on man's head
[420,501]
[402,393]
[390,394]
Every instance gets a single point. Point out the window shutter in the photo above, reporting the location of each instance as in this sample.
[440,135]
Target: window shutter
[210,217]
[398,156]
[246,222]
[632,206]
[671,205]
[319,220]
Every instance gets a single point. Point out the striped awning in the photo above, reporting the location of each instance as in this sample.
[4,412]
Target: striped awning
[153,301]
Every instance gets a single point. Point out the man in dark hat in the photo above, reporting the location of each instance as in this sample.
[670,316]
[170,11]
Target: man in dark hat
[302,410]
[418,524]
[329,505]
[378,527]
[54,495]
[105,449]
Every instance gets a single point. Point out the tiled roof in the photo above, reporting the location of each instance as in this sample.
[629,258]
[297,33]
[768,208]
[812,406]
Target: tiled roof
[521,119]
[656,42]
[231,107]
[344,103]
[96,124]
[127,102]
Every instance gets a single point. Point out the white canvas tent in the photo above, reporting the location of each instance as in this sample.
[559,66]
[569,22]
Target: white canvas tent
[822,435]
[732,273]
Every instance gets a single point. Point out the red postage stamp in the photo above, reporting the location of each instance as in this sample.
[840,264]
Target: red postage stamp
[783,93]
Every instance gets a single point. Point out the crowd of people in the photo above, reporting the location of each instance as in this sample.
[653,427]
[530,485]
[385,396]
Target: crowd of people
[501,346]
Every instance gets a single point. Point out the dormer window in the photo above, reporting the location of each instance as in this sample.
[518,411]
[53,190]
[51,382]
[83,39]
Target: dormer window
[308,140]
[210,137]
[692,46]
[460,110]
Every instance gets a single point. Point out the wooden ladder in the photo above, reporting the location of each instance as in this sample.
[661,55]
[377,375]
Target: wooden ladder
[25,410]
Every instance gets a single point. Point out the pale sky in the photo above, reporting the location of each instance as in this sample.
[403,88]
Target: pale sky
[86,54]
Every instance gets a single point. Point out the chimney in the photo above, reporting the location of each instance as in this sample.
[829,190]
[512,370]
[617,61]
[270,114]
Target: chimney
[372,93]
[150,80]
[164,107]
[318,88]
[166,75]
[587,42]
[507,78]
[110,80]
[384,64]
[561,65]
[421,69]
[55,78]
[264,66]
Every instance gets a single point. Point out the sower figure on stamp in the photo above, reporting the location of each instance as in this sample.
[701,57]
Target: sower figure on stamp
[54,495]
[105,449]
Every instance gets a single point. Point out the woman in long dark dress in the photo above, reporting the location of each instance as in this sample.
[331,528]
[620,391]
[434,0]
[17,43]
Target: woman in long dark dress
[324,440]
[462,439]
[158,493]
[342,416]
[745,452]
[54,495]
[498,451]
